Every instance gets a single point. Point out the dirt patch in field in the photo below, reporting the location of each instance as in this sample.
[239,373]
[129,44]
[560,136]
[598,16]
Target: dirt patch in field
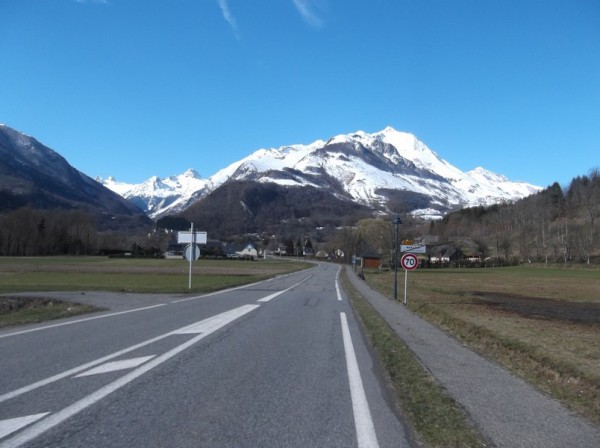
[540,308]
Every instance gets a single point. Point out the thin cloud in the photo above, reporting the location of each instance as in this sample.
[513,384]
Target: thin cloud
[228,16]
[307,11]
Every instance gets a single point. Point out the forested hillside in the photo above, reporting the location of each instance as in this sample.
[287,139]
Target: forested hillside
[557,225]
[552,226]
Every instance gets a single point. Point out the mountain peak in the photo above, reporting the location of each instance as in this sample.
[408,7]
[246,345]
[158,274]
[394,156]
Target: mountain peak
[370,169]
[190,172]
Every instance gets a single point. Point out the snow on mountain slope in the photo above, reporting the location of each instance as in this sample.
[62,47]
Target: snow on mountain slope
[360,166]
[160,196]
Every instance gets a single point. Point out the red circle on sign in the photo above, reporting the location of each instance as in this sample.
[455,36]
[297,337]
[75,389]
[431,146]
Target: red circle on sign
[410,262]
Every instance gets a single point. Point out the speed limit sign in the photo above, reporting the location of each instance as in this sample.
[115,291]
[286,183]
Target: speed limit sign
[410,262]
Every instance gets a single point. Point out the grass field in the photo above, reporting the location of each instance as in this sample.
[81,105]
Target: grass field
[43,274]
[541,323]
[30,274]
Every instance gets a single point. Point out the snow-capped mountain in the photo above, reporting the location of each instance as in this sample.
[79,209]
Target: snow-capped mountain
[157,196]
[368,168]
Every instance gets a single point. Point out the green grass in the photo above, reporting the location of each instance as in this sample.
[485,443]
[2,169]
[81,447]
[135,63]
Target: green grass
[126,282]
[41,310]
[40,274]
[134,275]
[434,416]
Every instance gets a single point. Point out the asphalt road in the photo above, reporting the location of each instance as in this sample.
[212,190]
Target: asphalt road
[281,363]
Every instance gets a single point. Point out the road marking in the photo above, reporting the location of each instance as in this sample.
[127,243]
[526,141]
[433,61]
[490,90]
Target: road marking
[365,429]
[214,293]
[337,286]
[14,424]
[55,419]
[232,289]
[272,296]
[214,323]
[78,369]
[71,322]
[113,366]
[86,366]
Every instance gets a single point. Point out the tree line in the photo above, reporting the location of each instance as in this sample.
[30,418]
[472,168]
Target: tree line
[28,232]
[556,225]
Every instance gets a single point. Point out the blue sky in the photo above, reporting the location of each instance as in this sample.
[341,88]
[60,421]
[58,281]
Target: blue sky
[134,89]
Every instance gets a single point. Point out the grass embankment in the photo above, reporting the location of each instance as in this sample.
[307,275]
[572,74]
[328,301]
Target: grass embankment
[28,310]
[434,416]
[541,323]
[42,274]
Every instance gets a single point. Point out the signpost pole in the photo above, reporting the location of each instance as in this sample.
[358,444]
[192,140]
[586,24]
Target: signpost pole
[405,285]
[192,251]
[397,222]
[409,262]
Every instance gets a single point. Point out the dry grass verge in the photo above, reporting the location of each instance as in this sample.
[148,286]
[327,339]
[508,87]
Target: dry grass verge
[28,310]
[542,324]
[435,417]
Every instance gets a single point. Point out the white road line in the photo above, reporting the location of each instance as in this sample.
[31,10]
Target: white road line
[337,286]
[73,371]
[94,363]
[232,289]
[114,366]
[45,327]
[365,429]
[213,323]
[221,291]
[81,368]
[14,424]
[272,296]
[55,419]
[71,322]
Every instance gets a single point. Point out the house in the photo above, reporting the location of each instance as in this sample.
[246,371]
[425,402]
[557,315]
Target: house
[174,250]
[308,251]
[371,260]
[247,252]
[322,255]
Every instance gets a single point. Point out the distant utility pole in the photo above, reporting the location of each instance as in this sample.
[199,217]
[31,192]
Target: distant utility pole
[396,221]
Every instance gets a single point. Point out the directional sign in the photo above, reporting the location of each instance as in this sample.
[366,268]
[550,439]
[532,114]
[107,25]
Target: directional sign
[410,262]
[186,237]
[413,248]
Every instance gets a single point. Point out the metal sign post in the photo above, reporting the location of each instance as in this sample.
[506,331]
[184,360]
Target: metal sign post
[193,243]
[396,221]
[192,252]
[409,262]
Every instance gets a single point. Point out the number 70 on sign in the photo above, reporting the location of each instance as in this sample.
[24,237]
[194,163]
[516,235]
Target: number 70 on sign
[410,262]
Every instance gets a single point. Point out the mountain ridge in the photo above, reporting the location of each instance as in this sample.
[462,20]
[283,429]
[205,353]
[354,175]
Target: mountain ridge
[359,166]
[31,174]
